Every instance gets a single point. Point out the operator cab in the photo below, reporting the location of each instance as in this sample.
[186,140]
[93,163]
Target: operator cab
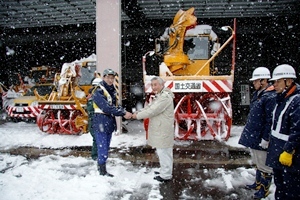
[200,44]
[197,48]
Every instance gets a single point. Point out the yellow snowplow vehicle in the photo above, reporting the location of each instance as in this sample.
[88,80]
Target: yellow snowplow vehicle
[202,91]
[20,101]
[64,110]
[25,108]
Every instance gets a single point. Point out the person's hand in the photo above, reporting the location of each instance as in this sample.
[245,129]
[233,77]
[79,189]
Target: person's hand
[264,144]
[134,115]
[286,158]
[128,115]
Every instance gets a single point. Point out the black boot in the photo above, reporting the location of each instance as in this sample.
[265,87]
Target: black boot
[265,183]
[94,153]
[103,172]
[256,184]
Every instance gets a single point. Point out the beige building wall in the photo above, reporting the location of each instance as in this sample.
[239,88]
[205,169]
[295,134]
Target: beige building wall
[108,38]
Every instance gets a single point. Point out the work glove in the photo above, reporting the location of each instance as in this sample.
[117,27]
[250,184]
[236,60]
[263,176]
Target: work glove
[285,158]
[264,144]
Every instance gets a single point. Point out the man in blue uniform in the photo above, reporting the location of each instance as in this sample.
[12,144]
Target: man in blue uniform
[283,152]
[104,121]
[257,130]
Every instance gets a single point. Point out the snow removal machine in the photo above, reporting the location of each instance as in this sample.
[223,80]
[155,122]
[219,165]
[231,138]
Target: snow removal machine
[64,110]
[201,85]
[21,101]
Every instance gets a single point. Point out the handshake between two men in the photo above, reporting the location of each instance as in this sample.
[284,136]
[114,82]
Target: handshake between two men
[129,115]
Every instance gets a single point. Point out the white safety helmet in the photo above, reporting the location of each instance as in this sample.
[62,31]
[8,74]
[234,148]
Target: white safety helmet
[283,71]
[260,73]
[96,81]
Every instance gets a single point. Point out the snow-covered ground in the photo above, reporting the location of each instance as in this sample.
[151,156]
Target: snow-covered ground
[77,178]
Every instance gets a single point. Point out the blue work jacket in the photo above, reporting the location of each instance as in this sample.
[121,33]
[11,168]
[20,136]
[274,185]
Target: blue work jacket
[106,122]
[285,135]
[259,119]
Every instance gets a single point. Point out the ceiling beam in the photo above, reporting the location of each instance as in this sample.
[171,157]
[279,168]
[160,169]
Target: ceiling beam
[133,11]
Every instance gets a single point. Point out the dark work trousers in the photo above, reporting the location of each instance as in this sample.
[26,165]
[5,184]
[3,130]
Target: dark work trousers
[287,185]
[103,127]
[103,140]
[94,145]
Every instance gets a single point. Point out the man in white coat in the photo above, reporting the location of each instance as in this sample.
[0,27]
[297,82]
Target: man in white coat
[161,127]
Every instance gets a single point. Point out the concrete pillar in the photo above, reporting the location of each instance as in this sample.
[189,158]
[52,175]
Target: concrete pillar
[108,38]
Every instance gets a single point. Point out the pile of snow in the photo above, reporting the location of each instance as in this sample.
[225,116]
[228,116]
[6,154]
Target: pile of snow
[76,178]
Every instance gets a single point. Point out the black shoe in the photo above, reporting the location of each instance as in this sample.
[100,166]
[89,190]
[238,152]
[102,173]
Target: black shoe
[124,128]
[156,172]
[160,179]
[107,174]
[103,172]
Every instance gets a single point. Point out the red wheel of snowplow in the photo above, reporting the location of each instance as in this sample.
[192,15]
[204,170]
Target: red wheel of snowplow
[46,122]
[203,116]
[59,122]
[73,115]
[66,121]
[185,113]
[217,107]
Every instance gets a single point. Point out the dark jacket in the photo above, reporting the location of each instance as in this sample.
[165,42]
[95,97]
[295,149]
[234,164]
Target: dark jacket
[259,119]
[90,109]
[107,121]
[89,106]
[288,136]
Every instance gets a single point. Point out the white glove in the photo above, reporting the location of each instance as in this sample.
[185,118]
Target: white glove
[264,144]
